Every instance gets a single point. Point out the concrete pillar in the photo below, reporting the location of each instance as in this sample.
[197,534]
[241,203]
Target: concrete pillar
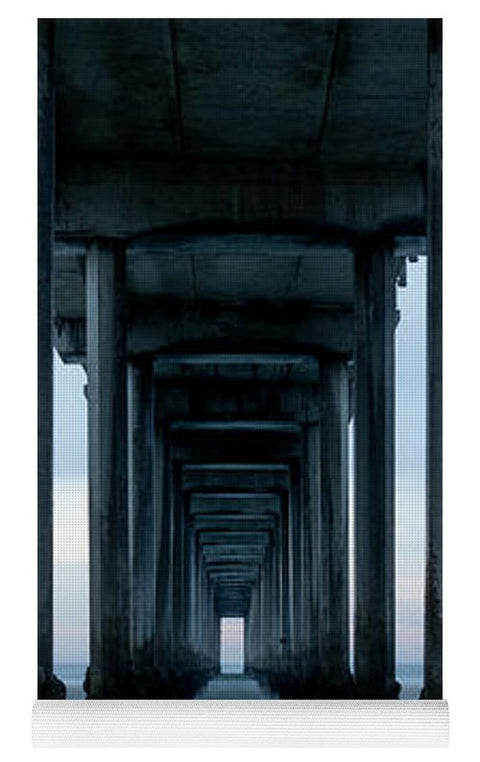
[190,586]
[262,628]
[163,595]
[283,590]
[216,636]
[252,646]
[247,636]
[374,471]
[278,599]
[433,582]
[198,597]
[48,687]
[312,540]
[297,564]
[178,568]
[251,630]
[143,528]
[269,608]
[288,582]
[255,630]
[198,602]
[334,622]
[215,639]
[217,642]
[108,463]
[212,638]
[204,613]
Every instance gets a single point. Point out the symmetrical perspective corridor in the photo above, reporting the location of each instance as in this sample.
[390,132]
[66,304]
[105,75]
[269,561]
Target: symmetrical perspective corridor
[227,208]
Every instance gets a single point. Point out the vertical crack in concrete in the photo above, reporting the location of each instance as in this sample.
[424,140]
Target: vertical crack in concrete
[292,281]
[332,68]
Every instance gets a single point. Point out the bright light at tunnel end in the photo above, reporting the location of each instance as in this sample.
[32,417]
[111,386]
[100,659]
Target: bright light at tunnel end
[232,645]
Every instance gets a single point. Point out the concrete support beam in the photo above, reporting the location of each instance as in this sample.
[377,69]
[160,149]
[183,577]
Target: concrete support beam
[125,197]
[213,626]
[143,529]
[179,587]
[48,686]
[334,622]
[433,582]
[286,611]
[374,472]
[311,511]
[107,454]
[164,565]
[217,477]
[268,609]
[251,630]
[277,599]
[263,624]
[207,619]
[155,329]
[45,372]
[202,610]
[296,560]
[198,599]
[250,446]
[255,627]
[190,587]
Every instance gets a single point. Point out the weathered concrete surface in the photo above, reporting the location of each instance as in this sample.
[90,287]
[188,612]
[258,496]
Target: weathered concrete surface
[179,327]
[334,619]
[310,558]
[433,591]
[131,198]
[143,517]
[374,473]
[209,404]
[45,350]
[164,548]
[257,481]
[48,685]
[217,88]
[108,468]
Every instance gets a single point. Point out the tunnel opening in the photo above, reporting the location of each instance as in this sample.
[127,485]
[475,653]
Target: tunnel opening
[232,645]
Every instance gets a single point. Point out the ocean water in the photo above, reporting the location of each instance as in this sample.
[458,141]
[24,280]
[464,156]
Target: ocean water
[73,676]
[409,675]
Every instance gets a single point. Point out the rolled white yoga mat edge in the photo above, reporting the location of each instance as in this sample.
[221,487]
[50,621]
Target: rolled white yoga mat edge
[233,723]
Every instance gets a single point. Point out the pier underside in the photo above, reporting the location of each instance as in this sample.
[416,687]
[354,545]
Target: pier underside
[229,211]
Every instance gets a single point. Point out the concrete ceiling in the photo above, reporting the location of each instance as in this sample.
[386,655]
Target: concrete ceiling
[276,140]
[239,268]
[338,91]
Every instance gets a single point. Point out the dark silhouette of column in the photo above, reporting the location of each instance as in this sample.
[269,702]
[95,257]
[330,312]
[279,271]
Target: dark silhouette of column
[334,623]
[108,464]
[48,685]
[164,566]
[374,471]
[179,608]
[190,590]
[312,541]
[142,514]
[433,582]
